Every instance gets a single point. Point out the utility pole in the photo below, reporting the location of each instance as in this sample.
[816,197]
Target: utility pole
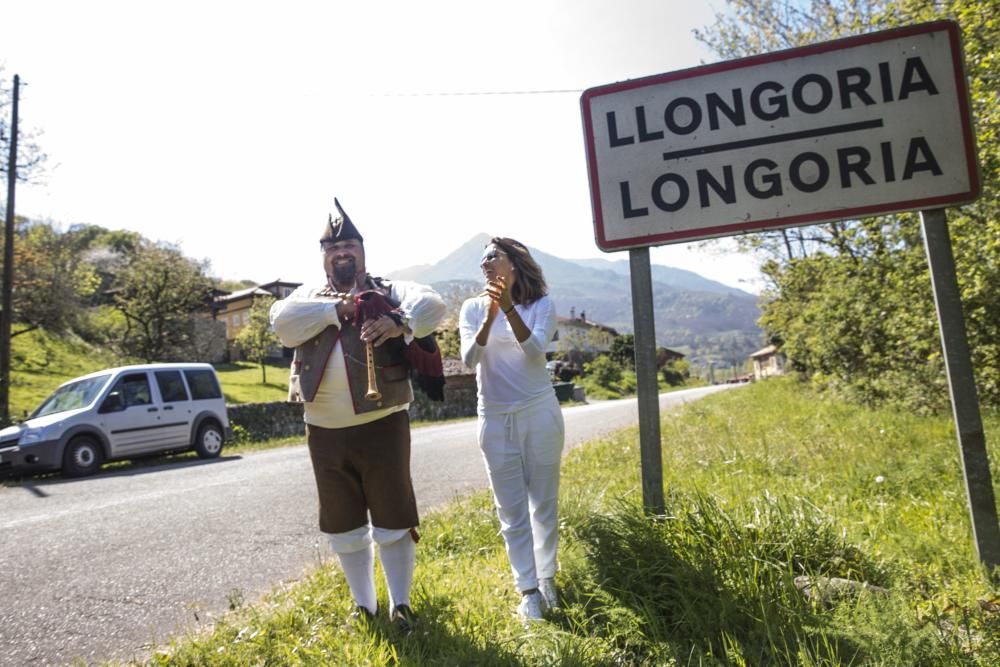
[7,314]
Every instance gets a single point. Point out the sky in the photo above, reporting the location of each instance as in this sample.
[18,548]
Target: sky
[228,127]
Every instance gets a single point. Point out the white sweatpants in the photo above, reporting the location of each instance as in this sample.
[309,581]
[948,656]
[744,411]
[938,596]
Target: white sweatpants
[522,452]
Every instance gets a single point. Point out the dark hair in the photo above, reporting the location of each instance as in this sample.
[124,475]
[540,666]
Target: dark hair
[530,284]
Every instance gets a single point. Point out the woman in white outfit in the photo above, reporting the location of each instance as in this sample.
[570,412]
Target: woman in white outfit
[504,335]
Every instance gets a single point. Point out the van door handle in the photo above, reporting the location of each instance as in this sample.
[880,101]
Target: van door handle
[168,407]
[151,409]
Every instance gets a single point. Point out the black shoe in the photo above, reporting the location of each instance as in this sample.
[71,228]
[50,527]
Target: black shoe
[361,616]
[403,618]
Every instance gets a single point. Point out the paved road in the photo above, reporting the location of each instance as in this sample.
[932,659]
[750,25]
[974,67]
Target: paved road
[105,567]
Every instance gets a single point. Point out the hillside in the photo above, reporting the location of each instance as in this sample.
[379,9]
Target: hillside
[40,362]
[707,320]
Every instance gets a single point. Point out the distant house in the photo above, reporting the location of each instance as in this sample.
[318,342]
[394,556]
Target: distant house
[233,309]
[457,374]
[664,355]
[767,362]
[578,339]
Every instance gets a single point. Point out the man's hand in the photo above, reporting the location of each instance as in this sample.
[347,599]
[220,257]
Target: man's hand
[380,330]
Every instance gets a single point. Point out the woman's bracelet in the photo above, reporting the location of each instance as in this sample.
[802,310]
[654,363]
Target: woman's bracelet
[507,312]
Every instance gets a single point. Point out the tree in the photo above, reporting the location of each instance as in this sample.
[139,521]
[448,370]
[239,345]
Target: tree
[675,373]
[622,350]
[108,252]
[852,300]
[158,294]
[450,341]
[256,339]
[52,279]
[604,371]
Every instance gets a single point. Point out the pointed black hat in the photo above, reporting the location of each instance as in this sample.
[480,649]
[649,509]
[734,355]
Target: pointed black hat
[342,228]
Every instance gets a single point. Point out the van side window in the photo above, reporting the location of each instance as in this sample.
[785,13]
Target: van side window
[171,386]
[203,384]
[134,389]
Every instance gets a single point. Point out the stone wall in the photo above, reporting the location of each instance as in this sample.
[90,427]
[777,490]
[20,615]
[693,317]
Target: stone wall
[263,421]
[459,401]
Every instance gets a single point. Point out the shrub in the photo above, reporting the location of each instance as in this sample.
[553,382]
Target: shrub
[603,371]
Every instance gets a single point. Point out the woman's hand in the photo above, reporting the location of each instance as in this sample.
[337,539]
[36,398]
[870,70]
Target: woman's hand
[495,290]
[499,294]
[500,299]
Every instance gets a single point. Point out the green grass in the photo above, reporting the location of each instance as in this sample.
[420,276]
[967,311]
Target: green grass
[41,362]
[762,484]
[241,382]
[627,386]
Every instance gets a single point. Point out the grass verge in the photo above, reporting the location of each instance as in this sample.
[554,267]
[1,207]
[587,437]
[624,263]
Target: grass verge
[764,485]
[242,382]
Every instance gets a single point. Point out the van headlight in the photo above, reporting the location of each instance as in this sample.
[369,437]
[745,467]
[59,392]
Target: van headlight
[33,435]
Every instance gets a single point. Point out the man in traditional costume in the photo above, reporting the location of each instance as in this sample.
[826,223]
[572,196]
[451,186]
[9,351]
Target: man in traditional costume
[356,337]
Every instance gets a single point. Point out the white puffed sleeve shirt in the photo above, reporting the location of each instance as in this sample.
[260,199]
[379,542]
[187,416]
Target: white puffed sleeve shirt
[304,314]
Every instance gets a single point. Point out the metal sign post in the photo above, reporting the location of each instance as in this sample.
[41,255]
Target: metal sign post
[962,387]
[646,385]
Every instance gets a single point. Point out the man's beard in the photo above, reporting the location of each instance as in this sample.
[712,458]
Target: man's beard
[344,274]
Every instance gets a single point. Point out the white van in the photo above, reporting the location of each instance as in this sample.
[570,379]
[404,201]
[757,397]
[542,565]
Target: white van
[120,413]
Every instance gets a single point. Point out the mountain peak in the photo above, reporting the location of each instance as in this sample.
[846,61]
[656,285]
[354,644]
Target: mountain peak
[708,320]
[463,264]
[454,266]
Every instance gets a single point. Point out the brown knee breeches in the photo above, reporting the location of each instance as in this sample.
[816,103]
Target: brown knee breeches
[362,469]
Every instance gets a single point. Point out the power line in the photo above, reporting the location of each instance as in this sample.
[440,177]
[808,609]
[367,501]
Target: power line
[473,93]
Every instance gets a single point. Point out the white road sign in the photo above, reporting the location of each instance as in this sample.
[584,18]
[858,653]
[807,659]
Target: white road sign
[854,127]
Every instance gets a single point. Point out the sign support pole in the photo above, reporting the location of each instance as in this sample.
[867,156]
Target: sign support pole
[646,385]
[962,387]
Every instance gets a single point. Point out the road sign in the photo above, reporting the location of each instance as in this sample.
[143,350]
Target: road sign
[855,127]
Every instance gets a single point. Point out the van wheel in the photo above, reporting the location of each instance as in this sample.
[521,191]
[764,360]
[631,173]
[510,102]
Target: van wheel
[208,442]
[83,457]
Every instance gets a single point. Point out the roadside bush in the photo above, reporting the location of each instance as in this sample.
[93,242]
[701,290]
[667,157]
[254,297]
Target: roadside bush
[241,435]
[604,379]
[672,375]
[603,371]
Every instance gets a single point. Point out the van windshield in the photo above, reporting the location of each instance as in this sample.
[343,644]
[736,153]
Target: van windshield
[72,396]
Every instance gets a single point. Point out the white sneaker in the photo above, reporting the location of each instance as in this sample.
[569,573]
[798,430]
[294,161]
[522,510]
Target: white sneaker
[547,587]
[532,607]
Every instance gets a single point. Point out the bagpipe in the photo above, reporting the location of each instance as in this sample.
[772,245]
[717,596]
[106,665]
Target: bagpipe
[422,354]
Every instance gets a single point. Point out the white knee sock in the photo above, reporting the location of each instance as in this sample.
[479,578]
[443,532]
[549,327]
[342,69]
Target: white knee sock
[398,559]
[359,570]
